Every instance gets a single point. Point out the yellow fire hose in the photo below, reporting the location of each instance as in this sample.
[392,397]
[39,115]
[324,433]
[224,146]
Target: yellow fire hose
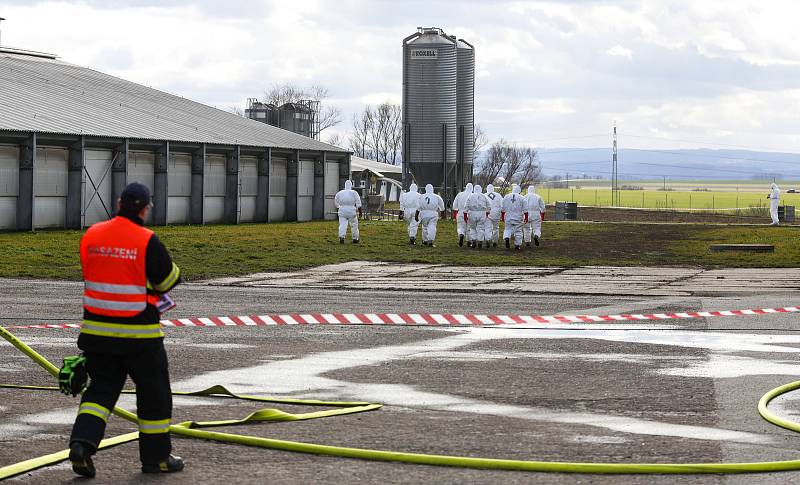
[189,429]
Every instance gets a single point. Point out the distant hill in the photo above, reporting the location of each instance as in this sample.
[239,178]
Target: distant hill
[636,164]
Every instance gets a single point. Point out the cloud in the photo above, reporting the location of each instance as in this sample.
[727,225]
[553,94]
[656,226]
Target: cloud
[619,51]
[544,69]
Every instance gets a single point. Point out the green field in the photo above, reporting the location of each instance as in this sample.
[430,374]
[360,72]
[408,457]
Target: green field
[214,251]
[655,199]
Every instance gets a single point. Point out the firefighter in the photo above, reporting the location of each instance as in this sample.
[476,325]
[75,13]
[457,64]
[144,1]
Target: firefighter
[126,269]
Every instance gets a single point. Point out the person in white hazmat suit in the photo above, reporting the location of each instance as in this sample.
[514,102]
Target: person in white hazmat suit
[477,209]
[409,202]
[774,200]
[515,214]
[430,207]
[536,210]
[459,205]
[348,203]
[492,224]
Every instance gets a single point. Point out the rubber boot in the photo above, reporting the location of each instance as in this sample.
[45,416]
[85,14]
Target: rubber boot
[494,244]
[480,245]
[171,465]
[508,243]
[412,241]
[341,240]
[528,244]
[355,241]
[460,240]
[517,248]
[536,240]
[80,455]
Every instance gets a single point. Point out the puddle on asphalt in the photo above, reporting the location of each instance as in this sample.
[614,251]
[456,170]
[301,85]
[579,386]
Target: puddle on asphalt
[602,440]
[787,406]
[721,366]
[305,377]
[47,342]
[491,355]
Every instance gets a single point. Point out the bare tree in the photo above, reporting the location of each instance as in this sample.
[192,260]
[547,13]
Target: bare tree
[328,115]
[358,139]
[508,164]
[481,140]
[378,132]
[335,139]
[280,94]
[235,110]
[394,134]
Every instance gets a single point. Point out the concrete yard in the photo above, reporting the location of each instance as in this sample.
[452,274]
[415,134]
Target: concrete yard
[667,391]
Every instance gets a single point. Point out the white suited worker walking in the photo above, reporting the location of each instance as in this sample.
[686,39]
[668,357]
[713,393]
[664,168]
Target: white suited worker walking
[536,210]
[348,203]
[774,200]
[477,208]
[459,206]
[492,225]
[409,202]
[430,206]
[515,214]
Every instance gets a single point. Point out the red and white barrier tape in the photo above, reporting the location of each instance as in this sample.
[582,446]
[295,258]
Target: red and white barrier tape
[424,319]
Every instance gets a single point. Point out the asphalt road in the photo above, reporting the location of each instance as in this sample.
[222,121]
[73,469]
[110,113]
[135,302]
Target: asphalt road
[664,391]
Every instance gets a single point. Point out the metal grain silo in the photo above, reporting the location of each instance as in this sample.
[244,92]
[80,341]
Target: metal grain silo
[429,109]
[465,110]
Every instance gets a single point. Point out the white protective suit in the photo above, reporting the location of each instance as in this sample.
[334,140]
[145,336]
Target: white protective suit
[459,204]
[492,225]
[477,206]
[409,203]
[430,205]
[774,201]
[348,202]
[536,208]
[514,207]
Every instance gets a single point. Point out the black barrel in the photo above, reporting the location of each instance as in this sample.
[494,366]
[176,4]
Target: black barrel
[571,211]
[786,213]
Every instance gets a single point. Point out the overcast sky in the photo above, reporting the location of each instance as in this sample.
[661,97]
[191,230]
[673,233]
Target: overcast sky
[549,74]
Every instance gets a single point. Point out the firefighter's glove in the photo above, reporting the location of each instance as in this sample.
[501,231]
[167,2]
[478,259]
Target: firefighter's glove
[72,376]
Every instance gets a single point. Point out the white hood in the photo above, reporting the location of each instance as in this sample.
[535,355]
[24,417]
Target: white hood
[531,190]
[468,188]
[477,189]
[515,189]
[429,189]
[348,185]
[489,189]
[413,188]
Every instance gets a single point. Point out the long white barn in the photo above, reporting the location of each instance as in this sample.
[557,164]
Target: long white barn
[71,138]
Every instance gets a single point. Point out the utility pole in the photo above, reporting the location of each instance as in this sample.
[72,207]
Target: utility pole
[614,171]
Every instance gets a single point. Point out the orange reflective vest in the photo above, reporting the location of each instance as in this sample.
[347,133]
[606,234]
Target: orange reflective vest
[113,259]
